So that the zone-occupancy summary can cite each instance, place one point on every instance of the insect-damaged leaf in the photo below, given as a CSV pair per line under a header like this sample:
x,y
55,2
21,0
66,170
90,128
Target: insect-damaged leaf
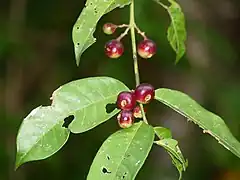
x,y
211,123
86,23
82,101
122,155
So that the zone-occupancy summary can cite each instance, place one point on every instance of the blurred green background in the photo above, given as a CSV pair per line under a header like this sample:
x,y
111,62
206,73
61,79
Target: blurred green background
x,y
36,57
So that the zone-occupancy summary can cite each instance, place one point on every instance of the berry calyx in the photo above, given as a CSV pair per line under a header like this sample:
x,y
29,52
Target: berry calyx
x,y
144,93
114,48
147,48
126,100
125,119
109,28
137,113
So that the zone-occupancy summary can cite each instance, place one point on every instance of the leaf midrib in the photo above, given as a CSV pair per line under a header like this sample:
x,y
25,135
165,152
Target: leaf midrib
x,y
71,112
127,150
91,33
26,153
174,28
201,125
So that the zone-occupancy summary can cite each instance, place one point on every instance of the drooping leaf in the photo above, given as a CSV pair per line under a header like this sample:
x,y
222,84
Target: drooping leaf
x,y
85,25
177,164
41,133
122,155
176,32
162,132
171,145
211,123
172,148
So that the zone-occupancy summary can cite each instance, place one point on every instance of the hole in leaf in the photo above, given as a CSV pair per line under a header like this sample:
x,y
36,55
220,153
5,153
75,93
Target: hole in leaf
x,y
78,27
110,107
125,174
68,121
78,44
105,171
108,157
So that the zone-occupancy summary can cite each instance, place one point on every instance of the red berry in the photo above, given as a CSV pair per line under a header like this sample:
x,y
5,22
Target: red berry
x,y
137,113
126,100
109,28
144,93
125,119
147,48
114,48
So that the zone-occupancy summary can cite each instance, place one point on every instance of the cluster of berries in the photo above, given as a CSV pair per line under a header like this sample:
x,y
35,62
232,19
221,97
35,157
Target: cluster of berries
x,y
114,48
127,102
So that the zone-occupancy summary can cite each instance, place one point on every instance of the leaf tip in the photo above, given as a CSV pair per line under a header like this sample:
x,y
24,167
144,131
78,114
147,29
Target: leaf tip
x,y
18,163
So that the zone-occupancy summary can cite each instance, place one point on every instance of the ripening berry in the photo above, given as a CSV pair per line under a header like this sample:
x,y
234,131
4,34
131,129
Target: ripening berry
x,y
109,28
125,119
114,48
144,93
137,113
147,48
126,100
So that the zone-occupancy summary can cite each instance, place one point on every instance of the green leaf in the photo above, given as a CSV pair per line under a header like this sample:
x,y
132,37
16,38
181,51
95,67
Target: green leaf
x,y
122,155
85,25
41,133
87,100
172,148
162,133
211,123
175,153
177,164
176,32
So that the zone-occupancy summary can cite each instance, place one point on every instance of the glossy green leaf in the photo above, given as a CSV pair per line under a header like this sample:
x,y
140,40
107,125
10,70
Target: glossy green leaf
x,y
41,133
211,123
162,133
85,25
176,32
122,155
87,100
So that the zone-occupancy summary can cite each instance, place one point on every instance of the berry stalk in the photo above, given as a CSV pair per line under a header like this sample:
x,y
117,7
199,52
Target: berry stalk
x,y
134,52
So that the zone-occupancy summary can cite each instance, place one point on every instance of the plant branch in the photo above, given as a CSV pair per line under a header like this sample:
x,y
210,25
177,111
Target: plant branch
x,y
140,32
134,52
123,34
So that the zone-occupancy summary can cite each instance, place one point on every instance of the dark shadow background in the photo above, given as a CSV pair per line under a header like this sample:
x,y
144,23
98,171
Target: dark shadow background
x,y
36,57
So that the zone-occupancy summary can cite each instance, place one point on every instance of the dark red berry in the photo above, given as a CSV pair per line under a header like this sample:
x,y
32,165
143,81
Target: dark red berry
x,y
109,28
125,119
147,48
137,113
144,93
126,100
114,48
